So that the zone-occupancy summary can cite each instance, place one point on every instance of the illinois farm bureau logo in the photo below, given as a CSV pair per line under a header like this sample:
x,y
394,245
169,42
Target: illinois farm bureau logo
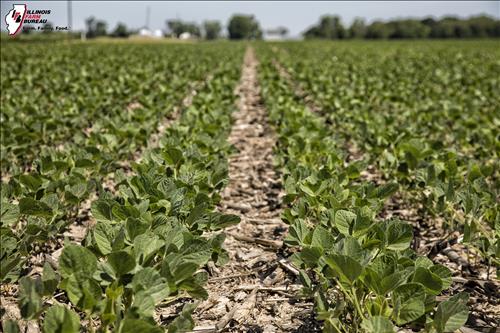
x,y
15,18
19,15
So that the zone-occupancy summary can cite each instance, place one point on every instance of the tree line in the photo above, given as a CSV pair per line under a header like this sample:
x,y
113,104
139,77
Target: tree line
x,y
239,27
331,27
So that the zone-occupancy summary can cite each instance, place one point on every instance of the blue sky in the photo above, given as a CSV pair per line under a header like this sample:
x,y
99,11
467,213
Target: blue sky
x,y
296,16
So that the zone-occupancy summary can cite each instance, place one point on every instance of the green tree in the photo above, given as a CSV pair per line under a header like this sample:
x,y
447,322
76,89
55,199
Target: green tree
x,y
332,28
482,26
451,27
495,31
212,29
408,29
95,28
193,29
462,30
244,27
378,30
357,28
120,31
177,27
329,27
101,28
312,32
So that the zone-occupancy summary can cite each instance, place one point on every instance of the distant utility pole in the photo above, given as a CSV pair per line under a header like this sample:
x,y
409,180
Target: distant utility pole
x,y
70,16
148,12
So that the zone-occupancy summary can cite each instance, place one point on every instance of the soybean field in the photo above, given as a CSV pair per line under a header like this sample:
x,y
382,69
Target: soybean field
x,y
346,186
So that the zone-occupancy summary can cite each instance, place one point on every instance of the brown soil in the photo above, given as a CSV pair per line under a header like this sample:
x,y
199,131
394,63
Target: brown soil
x,y
253,292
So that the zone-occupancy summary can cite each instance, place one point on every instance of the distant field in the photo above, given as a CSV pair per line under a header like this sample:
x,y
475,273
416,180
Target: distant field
x,y
346,186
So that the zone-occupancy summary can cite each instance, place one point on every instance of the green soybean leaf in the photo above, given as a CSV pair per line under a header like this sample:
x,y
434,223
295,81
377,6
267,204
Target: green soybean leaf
x,y
184,271
225,220
29,206
84,163
196,213
9,213
84,293
306,188
310,255
345,267
423,262
398,235
77,260
372,279
103,235
344,220
32,182
297,234
431,282
391,281
409,303
451,314
377,324
387,190
143,305
149,280
129,325
78,190
172,155
136,227
145,279
50,280
444,273
121,262
322,238
102,210
184,322
194,289
146,245
30,298
60,319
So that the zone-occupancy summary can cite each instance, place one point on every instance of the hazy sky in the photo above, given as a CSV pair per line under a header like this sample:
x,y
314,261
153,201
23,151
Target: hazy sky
x,y
296,16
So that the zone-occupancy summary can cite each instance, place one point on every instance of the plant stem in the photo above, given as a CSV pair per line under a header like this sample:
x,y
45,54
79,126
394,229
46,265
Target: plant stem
x,y
335,325
354,300
356,303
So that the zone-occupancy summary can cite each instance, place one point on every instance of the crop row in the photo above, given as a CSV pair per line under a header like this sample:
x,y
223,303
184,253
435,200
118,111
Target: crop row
x,y
359,268
151,235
